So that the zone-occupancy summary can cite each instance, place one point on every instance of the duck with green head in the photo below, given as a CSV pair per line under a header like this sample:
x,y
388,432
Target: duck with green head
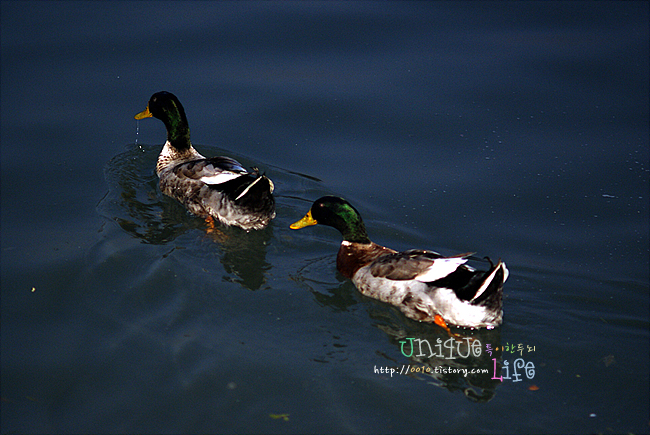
x,y
216,187
424,285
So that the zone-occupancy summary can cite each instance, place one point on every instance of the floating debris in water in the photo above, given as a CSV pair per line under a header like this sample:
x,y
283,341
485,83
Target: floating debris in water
x,y
608,360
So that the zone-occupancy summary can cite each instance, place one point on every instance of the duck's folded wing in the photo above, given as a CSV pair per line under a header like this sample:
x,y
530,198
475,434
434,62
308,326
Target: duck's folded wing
x,y
213,171
415,264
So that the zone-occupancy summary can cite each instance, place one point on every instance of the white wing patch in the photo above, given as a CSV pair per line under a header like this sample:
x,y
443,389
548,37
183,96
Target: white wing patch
x,y
487,281
248,188
440,268
220,178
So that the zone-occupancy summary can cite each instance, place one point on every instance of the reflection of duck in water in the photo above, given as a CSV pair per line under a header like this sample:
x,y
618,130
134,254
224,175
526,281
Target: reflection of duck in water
x,y
217,187
424,285
469,362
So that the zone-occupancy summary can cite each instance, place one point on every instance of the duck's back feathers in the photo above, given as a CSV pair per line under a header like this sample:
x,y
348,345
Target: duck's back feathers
x,y
212,171
417,264
465,297
221,188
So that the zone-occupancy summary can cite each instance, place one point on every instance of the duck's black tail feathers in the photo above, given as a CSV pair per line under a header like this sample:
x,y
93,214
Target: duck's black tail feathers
x,y
483,288
490,293
253,192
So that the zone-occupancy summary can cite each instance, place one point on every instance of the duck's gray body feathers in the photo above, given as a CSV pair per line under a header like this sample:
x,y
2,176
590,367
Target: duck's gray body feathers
x,y
219,187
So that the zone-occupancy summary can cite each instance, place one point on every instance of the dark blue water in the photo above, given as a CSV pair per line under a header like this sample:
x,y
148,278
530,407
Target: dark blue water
x,y
516,130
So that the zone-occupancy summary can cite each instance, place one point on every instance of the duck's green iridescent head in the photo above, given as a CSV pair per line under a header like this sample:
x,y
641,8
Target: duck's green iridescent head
x,y
166,107
338,213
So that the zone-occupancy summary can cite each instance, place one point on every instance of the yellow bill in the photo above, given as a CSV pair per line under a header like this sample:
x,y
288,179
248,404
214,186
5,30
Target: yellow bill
x,y
304,222
144,114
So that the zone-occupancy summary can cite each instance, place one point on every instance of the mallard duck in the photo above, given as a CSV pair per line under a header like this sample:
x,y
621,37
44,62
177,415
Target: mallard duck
x,y
424,285
216,187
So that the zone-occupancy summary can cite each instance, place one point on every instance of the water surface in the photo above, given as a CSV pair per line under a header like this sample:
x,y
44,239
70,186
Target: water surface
x,y
516,130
